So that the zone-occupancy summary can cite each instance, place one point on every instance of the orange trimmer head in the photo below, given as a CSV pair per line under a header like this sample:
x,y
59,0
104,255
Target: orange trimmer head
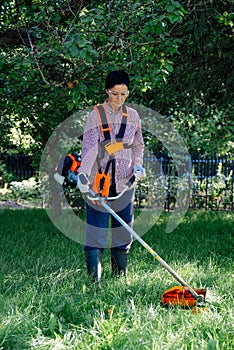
x,y
181,296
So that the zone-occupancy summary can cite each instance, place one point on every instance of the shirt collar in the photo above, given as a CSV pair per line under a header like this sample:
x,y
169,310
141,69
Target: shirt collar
x,y
109,109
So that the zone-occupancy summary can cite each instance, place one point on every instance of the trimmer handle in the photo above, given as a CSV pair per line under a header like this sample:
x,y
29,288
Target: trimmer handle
x,y
96,197
83,179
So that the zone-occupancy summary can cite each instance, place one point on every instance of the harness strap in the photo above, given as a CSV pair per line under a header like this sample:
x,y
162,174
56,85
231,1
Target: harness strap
x,y
105,126
108,146
112,187
104,123
123,125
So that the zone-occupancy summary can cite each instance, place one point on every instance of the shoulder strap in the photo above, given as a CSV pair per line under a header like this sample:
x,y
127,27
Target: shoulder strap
x,y
121,132
105,126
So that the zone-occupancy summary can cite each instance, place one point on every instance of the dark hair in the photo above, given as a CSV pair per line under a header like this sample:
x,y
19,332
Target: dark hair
x,y
117,77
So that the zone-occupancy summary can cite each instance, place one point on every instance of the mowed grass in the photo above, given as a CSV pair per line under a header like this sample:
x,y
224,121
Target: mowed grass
x,y
48,302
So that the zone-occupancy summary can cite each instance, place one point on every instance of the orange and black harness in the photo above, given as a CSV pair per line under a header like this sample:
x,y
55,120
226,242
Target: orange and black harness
x,y
102,182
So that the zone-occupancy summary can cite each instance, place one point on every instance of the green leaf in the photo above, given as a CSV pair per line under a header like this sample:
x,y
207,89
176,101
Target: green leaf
x,y
74,50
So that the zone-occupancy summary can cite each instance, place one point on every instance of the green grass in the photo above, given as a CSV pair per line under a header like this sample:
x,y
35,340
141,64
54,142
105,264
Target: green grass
x,y
48,302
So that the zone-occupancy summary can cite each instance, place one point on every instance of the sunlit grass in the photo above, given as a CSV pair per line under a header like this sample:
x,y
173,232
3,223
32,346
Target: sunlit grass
x,y
48,302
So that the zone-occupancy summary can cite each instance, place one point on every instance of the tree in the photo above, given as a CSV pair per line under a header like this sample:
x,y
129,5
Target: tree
x,y
53,55
202,80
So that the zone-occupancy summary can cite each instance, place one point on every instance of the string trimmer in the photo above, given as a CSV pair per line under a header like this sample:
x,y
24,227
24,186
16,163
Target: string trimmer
x,y
183,295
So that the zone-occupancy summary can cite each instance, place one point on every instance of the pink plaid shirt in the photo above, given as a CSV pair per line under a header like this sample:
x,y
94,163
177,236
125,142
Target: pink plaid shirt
x,y
125,159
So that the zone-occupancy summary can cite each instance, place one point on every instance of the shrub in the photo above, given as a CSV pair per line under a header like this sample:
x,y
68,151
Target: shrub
x,y
214,191
26,189
5,176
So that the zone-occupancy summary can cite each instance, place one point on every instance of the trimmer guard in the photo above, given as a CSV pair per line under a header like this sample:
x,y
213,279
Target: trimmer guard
x,y
181,296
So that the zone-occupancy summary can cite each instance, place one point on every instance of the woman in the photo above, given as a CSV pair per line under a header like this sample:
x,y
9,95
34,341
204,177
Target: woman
x,y
112,151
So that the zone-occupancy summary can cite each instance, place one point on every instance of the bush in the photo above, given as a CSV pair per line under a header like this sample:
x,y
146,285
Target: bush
x,y
151,191
26,189
74,197
5,176
214,191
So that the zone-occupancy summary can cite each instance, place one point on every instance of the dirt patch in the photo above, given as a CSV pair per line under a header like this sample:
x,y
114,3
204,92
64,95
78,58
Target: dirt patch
x,y
13,204
10,204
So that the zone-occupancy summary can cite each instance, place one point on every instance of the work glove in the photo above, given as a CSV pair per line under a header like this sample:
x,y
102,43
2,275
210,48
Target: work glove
x,y
84,184
139,172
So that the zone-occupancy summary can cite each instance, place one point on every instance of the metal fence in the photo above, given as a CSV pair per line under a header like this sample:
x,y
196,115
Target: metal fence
x,y
20,166
211,178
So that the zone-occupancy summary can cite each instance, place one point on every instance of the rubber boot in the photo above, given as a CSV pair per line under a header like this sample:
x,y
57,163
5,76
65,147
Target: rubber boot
x,y
93,263
119,262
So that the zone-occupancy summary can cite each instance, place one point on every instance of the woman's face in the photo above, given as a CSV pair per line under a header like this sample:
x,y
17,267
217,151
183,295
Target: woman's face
x,y
117,96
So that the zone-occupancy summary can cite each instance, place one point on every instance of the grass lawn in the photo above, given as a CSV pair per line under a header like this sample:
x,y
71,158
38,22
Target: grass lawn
x,y
47,301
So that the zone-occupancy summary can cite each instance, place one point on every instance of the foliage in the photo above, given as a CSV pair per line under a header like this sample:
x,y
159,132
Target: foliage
x,y
74,197
26,189
5,176
59,57
48,302
54,57
209,129
198,96
214,192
